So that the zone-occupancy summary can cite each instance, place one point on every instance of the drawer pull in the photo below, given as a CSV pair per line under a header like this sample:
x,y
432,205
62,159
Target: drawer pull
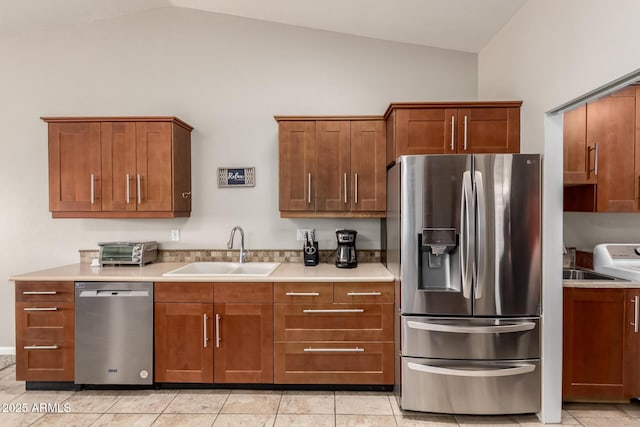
x,y
40,347
363,294
39,292
303,294
330,350
40,309
340,310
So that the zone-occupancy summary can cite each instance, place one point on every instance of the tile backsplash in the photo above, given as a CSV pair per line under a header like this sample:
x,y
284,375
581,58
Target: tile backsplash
x,y
260,255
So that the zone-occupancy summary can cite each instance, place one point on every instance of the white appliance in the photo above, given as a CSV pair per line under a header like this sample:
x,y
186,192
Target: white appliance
x,y
618,259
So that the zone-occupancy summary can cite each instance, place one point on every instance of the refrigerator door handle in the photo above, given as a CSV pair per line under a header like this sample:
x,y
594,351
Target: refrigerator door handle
x,y
519,369
494,329
481,243
466,242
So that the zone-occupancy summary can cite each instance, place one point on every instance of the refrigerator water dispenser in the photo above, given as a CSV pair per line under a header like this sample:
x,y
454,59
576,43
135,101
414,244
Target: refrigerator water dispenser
x,y
435,246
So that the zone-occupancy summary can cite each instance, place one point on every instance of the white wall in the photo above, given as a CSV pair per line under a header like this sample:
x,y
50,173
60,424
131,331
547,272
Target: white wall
x,y
225,76
550,53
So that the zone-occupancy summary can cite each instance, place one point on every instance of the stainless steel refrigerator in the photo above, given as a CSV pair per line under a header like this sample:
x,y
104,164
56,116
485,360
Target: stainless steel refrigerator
x,y
463,238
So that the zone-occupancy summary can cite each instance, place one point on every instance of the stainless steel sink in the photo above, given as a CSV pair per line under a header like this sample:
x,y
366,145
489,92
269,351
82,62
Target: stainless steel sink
x,y
224,269
583,274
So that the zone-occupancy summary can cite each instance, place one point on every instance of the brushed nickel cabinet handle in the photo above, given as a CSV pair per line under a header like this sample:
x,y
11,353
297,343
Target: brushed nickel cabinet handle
x,y
303,294
356,185
127,187
217,330
186,194
345,188
40,347
595,162
635,314
339,310
309,189
139,192
362,294
40,309
330,350
453,131
465,133
206,338
93,189
39,292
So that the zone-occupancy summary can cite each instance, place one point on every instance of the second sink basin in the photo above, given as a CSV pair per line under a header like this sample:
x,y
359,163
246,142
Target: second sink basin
x,y
579,274
224,269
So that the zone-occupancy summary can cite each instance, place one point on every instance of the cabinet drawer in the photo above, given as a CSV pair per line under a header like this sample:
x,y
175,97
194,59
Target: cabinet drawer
x,y
333,322
243,292
303,292
44,360
355,292
45,321
183,292
327,362
44,291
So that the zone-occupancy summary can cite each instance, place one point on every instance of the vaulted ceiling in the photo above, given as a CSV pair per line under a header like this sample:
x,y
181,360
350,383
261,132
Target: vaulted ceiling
x,y
465,25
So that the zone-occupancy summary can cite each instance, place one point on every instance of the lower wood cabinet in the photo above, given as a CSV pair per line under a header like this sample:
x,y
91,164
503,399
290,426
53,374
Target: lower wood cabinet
x,y
243,331
45,331
334,362
333,333
601,344
183,351
197,341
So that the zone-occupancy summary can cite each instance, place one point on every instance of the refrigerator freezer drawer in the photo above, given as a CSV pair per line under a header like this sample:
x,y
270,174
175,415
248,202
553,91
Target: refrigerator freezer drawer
x,y
470,387
479,338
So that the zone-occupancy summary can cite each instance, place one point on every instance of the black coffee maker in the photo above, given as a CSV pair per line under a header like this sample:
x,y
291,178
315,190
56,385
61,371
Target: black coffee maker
x,y
346,252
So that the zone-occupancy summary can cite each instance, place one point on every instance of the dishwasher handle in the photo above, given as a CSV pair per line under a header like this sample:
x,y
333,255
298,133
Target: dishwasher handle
x,y
103,293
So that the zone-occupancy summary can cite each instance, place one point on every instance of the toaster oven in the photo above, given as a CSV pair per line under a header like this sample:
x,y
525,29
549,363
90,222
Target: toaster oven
x,y
127,253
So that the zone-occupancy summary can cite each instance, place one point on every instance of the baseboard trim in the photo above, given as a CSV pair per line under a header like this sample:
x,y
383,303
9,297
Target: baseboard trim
x,y
10,351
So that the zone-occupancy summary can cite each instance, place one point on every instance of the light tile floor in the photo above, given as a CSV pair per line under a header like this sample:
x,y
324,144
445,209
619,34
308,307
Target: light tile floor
x,y
234,408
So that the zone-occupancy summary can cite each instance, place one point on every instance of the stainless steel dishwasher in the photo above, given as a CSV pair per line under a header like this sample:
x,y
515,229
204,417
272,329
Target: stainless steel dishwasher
x,y
114,333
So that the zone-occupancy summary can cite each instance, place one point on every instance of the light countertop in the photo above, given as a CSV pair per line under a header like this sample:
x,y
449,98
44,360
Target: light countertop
x,y
286,272
602,284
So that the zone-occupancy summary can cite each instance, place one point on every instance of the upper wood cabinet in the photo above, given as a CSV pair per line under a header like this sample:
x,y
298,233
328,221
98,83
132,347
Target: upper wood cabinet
x,y
119,167
450,128
601,172
332,166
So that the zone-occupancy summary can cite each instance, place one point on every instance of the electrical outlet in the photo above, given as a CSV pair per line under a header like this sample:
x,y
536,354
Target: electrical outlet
x,y
175,234
301,231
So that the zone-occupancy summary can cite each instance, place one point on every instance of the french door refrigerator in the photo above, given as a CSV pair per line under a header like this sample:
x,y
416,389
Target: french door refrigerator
x,y
464,243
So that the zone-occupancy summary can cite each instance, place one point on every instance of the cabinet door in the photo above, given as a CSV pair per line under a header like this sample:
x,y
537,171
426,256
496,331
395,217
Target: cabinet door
x,y
118,166
632,344
153,165
74,167
368,169
593,337
488,130
425,131
611,125
297,165
44,341
333,165
183,342
243,343
579,157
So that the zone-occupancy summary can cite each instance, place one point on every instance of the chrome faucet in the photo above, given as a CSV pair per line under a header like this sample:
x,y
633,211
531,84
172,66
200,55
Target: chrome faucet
x,y
243,252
